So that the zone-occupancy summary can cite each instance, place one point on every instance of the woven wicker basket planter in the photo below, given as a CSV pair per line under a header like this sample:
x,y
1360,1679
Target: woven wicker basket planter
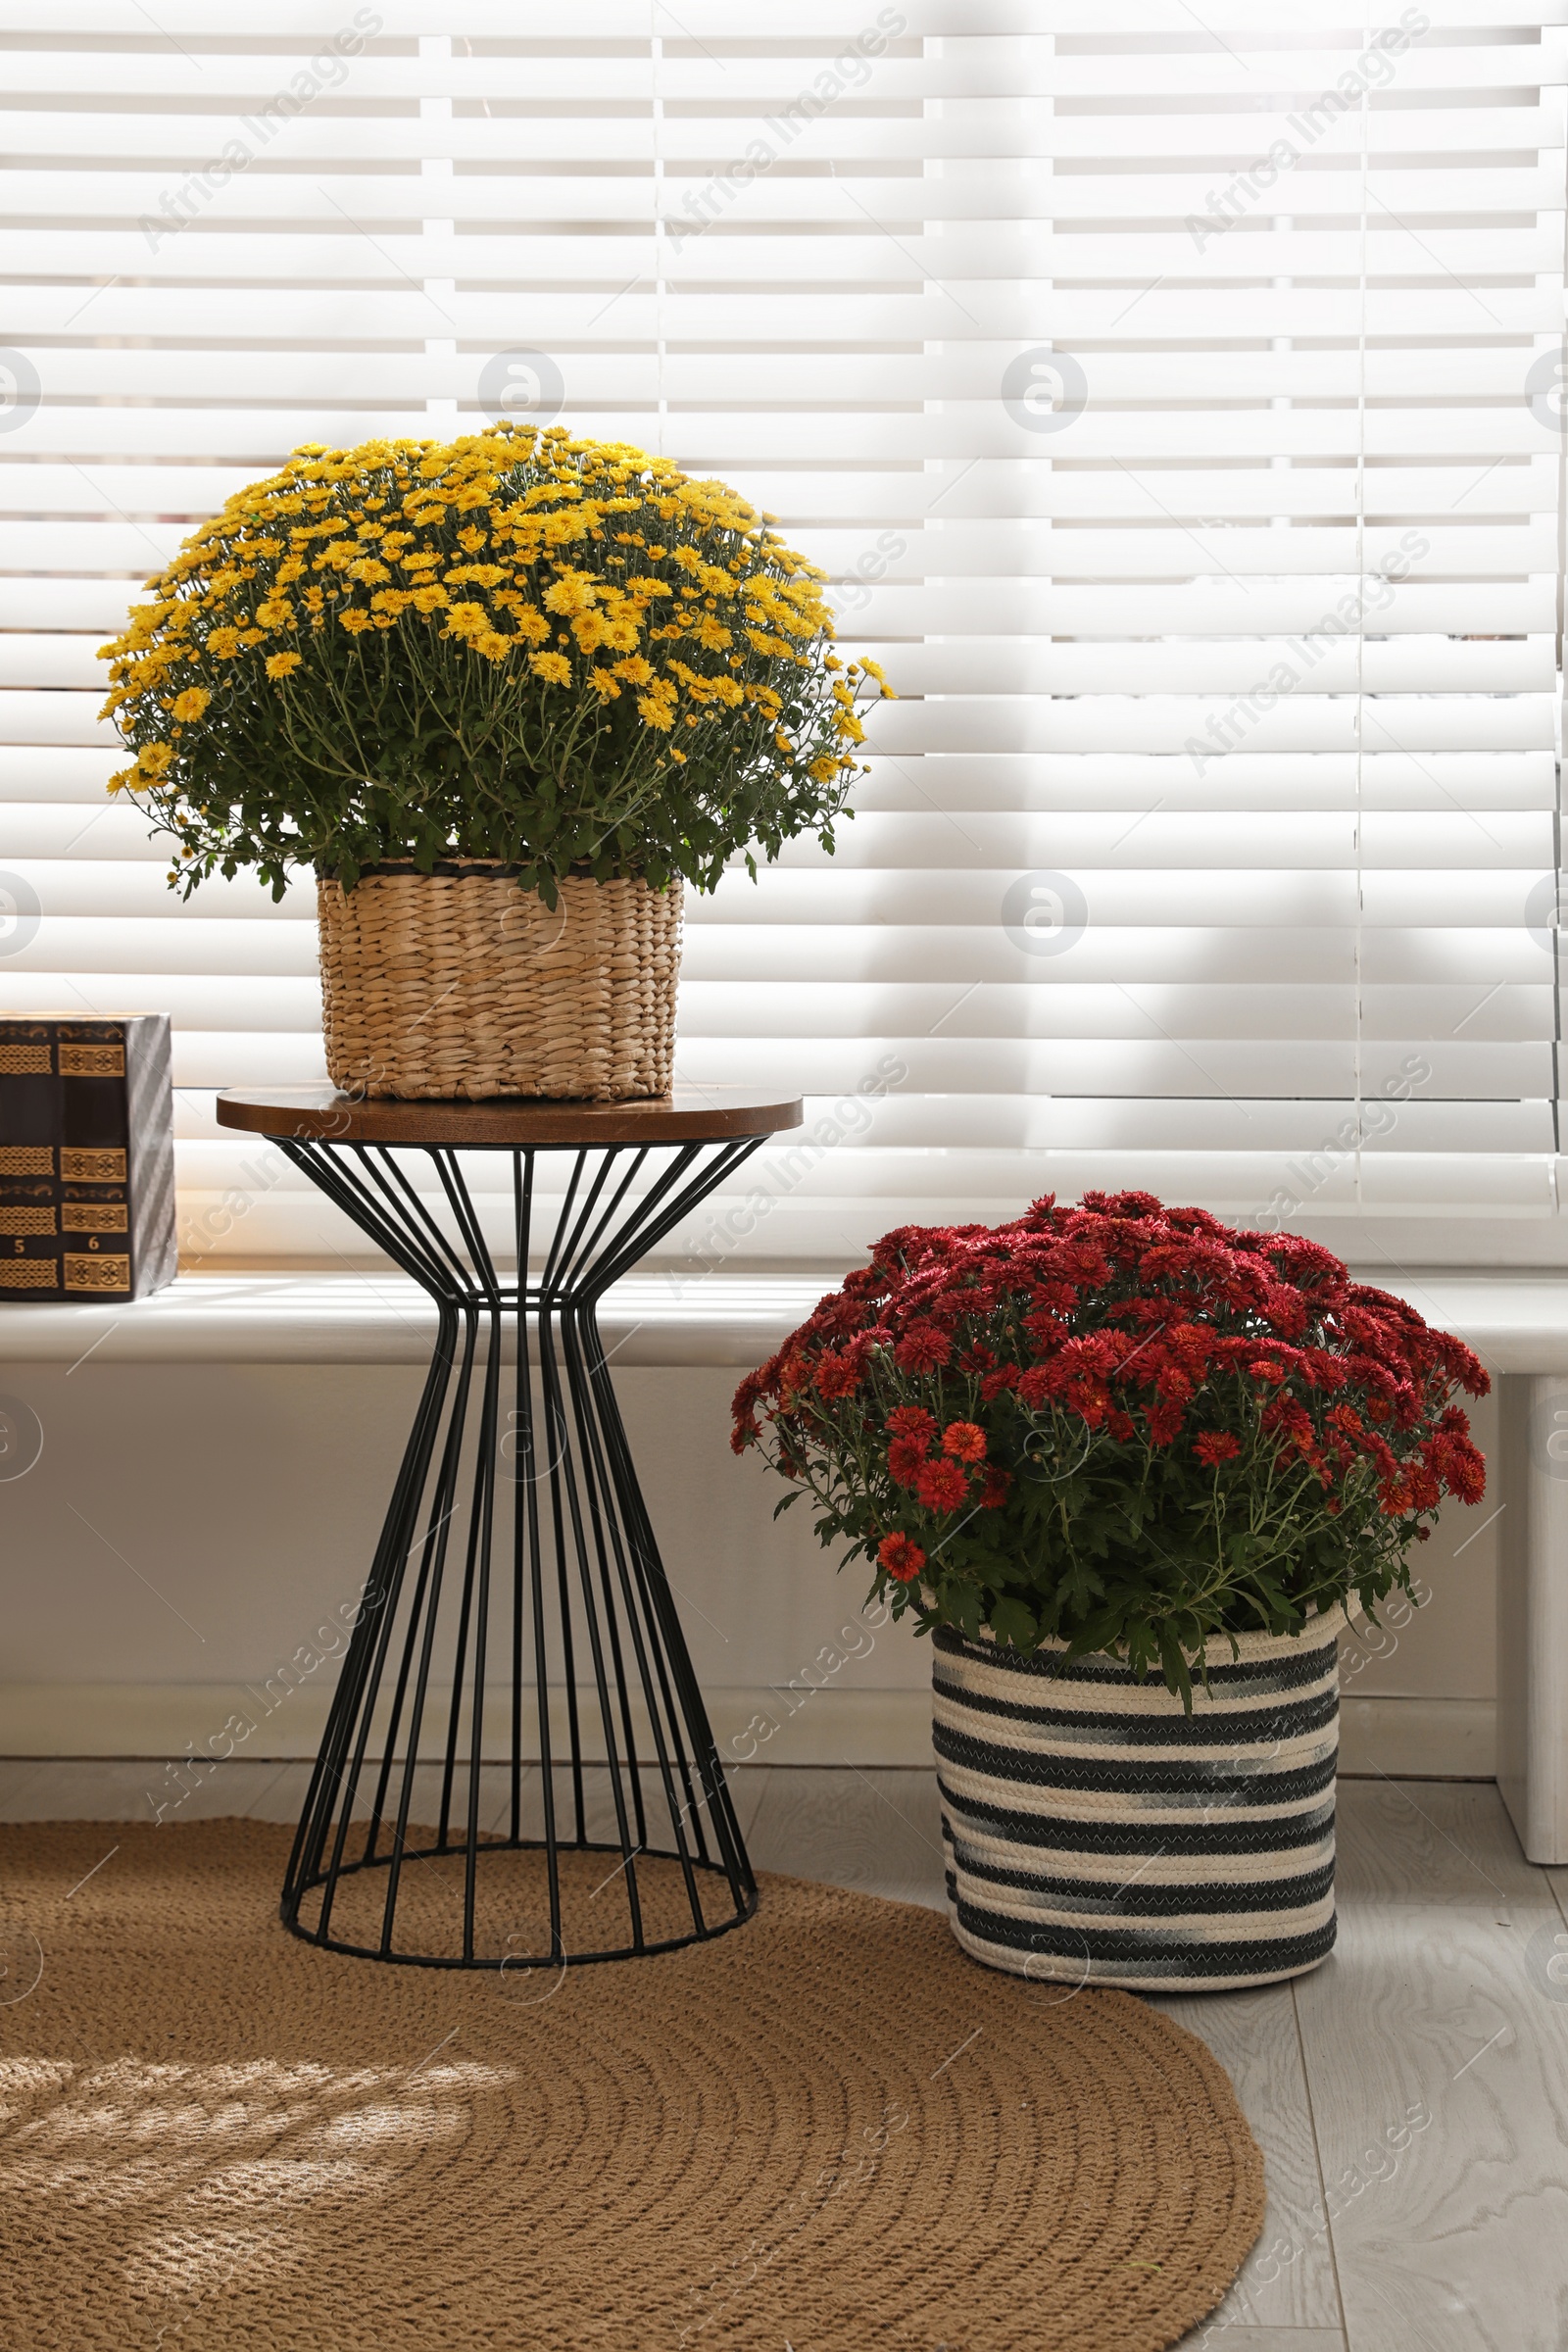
x,y
1096,1834
457,983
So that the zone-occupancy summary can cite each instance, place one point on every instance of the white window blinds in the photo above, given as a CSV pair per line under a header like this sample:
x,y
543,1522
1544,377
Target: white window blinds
x,y
1177,400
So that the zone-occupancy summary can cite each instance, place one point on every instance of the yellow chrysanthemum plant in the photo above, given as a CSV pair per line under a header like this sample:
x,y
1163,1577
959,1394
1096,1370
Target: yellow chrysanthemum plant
x,y
560,654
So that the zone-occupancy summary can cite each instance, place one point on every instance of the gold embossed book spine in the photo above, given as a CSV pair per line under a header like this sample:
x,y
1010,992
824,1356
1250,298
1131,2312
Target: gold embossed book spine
x,y
87,1157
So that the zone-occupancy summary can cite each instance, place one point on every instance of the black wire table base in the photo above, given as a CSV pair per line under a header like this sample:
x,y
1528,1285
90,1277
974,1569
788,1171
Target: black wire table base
x,y
570,1806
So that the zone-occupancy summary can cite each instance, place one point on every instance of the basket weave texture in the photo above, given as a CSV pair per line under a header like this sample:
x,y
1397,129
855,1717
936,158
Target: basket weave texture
x,y
458,984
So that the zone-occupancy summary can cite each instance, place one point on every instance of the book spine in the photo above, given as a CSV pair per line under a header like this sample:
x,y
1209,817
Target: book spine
x,y
94,1160
30,1169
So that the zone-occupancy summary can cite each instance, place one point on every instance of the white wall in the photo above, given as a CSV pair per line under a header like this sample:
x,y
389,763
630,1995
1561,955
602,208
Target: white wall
x,y
187,1527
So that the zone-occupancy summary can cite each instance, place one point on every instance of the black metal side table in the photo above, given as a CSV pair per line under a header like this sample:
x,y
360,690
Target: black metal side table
x,y
516,1537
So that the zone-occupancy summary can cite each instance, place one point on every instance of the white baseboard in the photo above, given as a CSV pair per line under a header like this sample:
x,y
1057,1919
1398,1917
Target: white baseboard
x,y
1419,1738
1441,1738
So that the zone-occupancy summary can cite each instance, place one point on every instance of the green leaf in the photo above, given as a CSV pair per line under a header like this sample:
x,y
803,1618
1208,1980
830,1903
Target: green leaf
x,y
1013,1624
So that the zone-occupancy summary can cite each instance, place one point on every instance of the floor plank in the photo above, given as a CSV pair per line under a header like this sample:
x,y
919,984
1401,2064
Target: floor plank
x,y
1288,2279
877,1830
89,1788
1439,2082
1218,2334
15,1772
1444,1841
109,1789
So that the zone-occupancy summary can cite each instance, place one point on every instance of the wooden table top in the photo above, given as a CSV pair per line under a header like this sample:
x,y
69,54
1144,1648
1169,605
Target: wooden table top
x,y
688,1115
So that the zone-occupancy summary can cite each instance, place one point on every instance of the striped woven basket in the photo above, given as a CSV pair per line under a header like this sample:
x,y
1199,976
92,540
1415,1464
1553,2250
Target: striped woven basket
x,y
1095,1834
457,983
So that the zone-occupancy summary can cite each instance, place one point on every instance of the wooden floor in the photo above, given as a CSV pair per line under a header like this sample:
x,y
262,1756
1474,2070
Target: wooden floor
x,y
1410,2096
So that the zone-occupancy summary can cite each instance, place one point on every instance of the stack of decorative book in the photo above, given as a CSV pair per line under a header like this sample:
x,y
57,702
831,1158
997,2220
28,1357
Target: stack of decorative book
x,y
86,1156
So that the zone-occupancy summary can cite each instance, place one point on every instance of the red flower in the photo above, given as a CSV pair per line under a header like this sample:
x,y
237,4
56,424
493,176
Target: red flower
x,y
837,1376
901,1557
1215,1446
904,1459
994,1490
914,1422
966,1440
923,1348
1165,1424
942,1485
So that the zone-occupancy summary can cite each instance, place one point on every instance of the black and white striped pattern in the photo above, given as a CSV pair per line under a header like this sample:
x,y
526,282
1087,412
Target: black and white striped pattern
x,y
1096,1834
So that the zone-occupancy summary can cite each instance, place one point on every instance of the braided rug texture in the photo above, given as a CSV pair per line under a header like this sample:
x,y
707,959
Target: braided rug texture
x,y
829,2129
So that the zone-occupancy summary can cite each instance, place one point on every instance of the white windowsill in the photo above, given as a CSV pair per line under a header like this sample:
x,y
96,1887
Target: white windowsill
x,y
386,1320
1516,1323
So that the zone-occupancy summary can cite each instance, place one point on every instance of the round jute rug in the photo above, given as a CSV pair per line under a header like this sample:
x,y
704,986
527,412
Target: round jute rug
x,y
825,2131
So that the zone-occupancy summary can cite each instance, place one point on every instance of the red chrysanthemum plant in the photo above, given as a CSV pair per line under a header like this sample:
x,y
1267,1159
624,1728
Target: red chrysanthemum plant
x,y
1119,1425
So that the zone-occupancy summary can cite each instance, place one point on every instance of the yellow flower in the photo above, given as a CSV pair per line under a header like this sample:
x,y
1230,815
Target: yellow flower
x,y
279,666
493,645
554,668
658,715
636,671
468,620
192,702
594,629
355,621
224,643
574,592
528,622
154,758
428,599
